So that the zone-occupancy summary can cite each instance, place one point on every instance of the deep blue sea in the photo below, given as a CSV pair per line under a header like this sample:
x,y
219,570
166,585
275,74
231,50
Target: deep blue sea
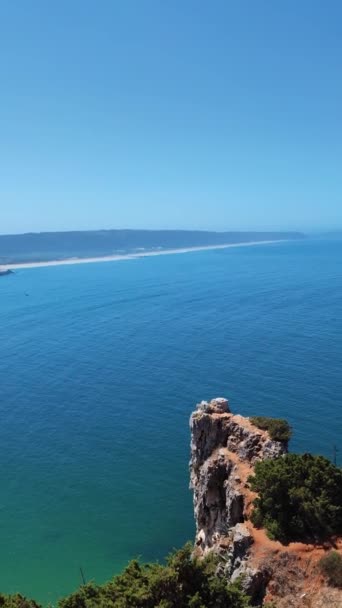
x,y
101,365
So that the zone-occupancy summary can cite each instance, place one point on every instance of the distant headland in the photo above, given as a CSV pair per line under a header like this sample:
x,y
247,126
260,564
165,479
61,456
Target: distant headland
x,y
52,248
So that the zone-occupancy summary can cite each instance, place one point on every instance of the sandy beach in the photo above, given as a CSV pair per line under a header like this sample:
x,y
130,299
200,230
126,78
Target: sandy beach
x,y
132,256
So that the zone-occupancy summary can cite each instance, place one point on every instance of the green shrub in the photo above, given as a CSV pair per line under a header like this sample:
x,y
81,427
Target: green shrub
x,y
331,567
278,428
299,497
16,601
182,583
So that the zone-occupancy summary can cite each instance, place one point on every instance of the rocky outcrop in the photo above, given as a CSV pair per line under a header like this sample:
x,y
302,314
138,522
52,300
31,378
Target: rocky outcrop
x,y
224,448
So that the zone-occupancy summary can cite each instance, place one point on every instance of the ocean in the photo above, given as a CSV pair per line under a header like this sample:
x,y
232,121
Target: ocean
x,y
101,366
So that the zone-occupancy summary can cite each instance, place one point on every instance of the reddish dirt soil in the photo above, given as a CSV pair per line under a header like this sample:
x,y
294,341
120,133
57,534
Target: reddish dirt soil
x,y
296,581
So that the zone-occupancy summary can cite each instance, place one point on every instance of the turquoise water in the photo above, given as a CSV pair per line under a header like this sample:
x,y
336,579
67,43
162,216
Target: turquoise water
x,y
101,365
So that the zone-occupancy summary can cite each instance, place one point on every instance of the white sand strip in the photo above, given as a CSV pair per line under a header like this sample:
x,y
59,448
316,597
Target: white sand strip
x,y
133,256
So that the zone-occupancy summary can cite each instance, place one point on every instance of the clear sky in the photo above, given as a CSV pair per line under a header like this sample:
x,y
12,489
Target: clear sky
x,y
170,114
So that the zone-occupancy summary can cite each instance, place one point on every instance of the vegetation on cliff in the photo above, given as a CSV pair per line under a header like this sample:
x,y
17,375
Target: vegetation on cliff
x,y
331,567
16,601
278,429
182,582
299,497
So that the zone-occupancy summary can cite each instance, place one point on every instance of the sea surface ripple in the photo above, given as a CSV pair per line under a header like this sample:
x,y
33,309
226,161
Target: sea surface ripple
x,y
101,365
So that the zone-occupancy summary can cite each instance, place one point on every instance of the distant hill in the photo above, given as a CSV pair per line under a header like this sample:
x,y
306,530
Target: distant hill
x,y
43,246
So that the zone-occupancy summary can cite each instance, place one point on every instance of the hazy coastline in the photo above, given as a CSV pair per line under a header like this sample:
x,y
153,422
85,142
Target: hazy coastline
x,y
132,256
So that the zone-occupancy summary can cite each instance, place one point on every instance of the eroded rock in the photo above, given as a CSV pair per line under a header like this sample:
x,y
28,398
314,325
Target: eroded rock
x,y
224,449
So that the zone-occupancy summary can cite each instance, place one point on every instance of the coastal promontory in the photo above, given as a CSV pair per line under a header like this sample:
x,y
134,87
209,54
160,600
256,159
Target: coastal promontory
x,y
226,451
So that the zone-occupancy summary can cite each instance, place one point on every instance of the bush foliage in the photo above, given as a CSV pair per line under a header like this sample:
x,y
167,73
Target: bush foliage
x,y
16,601
299,497
278,428
331,567
182,583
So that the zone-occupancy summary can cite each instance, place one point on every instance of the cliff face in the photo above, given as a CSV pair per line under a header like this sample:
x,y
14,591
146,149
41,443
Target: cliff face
x,y
224,448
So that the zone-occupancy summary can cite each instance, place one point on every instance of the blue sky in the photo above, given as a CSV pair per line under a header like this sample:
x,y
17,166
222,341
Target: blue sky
x,y
181,114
